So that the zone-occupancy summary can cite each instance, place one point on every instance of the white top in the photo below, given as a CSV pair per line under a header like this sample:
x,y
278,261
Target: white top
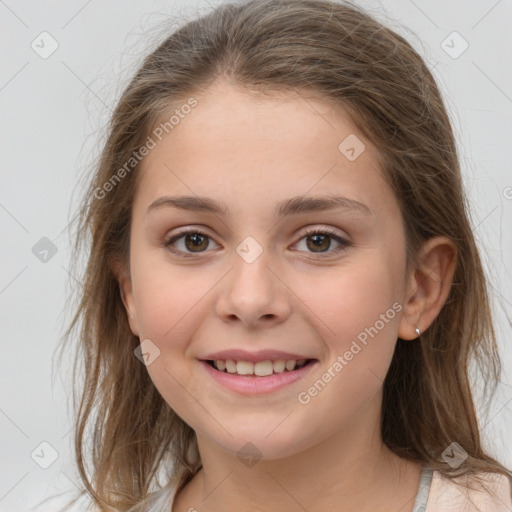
x,y
445,495
435,494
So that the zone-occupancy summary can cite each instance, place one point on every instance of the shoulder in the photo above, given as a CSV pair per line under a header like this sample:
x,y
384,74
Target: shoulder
x,y
489,493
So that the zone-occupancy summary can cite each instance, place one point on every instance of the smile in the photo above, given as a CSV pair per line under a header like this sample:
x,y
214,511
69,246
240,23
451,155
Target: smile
x,y
260,368
248,378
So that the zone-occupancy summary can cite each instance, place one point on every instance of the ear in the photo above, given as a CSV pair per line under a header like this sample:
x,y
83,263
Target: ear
x,y
428,286
122,273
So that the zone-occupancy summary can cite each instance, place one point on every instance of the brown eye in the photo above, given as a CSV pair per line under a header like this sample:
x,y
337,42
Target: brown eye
x,y
190,242
320,241
196,242
193,242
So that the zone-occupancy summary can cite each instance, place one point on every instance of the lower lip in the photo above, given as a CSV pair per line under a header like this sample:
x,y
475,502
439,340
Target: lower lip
x,y
250,385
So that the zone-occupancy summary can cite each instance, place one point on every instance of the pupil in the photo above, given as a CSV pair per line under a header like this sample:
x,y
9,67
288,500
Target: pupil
x,y
317,243
196,237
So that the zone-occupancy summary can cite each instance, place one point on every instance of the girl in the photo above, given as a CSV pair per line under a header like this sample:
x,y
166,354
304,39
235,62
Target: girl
x,y
283,295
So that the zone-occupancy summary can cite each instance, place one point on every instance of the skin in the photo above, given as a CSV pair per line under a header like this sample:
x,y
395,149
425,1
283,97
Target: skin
x,y
250,153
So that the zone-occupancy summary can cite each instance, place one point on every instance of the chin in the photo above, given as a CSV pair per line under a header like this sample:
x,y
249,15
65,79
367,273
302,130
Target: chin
x,y
256,443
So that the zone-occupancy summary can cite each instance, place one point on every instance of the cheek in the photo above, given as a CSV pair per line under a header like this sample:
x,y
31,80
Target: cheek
x,y
170,306
167,295
353,298
358,317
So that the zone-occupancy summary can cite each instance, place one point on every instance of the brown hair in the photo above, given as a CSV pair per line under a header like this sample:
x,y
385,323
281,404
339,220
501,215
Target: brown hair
x,y
341,53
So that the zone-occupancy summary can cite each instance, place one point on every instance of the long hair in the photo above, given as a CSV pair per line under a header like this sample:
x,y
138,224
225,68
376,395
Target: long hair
x,y
340,52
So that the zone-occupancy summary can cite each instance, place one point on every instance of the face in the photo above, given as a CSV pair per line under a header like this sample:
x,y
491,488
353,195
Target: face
x,y
324,285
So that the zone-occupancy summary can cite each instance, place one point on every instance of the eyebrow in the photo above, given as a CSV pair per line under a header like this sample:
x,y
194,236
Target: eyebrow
x,y
292,206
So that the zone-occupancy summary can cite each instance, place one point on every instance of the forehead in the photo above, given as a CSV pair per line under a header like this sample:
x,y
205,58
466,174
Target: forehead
x,y
255,147
284,120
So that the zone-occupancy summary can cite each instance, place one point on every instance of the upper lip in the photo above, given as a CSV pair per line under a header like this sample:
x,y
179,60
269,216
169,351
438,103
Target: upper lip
x,y
261,355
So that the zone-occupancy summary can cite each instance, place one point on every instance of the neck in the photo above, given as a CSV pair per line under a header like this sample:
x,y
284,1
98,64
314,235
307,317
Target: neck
x,y
351,470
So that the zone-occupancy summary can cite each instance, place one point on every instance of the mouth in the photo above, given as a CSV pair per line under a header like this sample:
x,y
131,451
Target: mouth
x,y
259,369
258,378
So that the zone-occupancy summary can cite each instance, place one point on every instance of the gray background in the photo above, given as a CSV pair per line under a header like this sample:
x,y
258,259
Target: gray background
x,y
53,110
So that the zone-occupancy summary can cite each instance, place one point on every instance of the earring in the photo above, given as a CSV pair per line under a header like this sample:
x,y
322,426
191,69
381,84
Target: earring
x,y
418,332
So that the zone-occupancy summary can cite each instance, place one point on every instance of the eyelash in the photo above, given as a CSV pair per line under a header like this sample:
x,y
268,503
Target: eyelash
x,y
310,232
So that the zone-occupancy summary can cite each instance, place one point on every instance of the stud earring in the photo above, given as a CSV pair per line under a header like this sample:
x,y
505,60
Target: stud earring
x,y
418,332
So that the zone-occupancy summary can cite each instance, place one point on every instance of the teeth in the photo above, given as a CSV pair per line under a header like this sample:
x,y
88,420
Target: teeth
x,y
279,366
261,368
230,366
290,365
244,368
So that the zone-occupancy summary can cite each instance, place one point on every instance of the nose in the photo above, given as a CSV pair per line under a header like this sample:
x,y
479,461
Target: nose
x,y
254,293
